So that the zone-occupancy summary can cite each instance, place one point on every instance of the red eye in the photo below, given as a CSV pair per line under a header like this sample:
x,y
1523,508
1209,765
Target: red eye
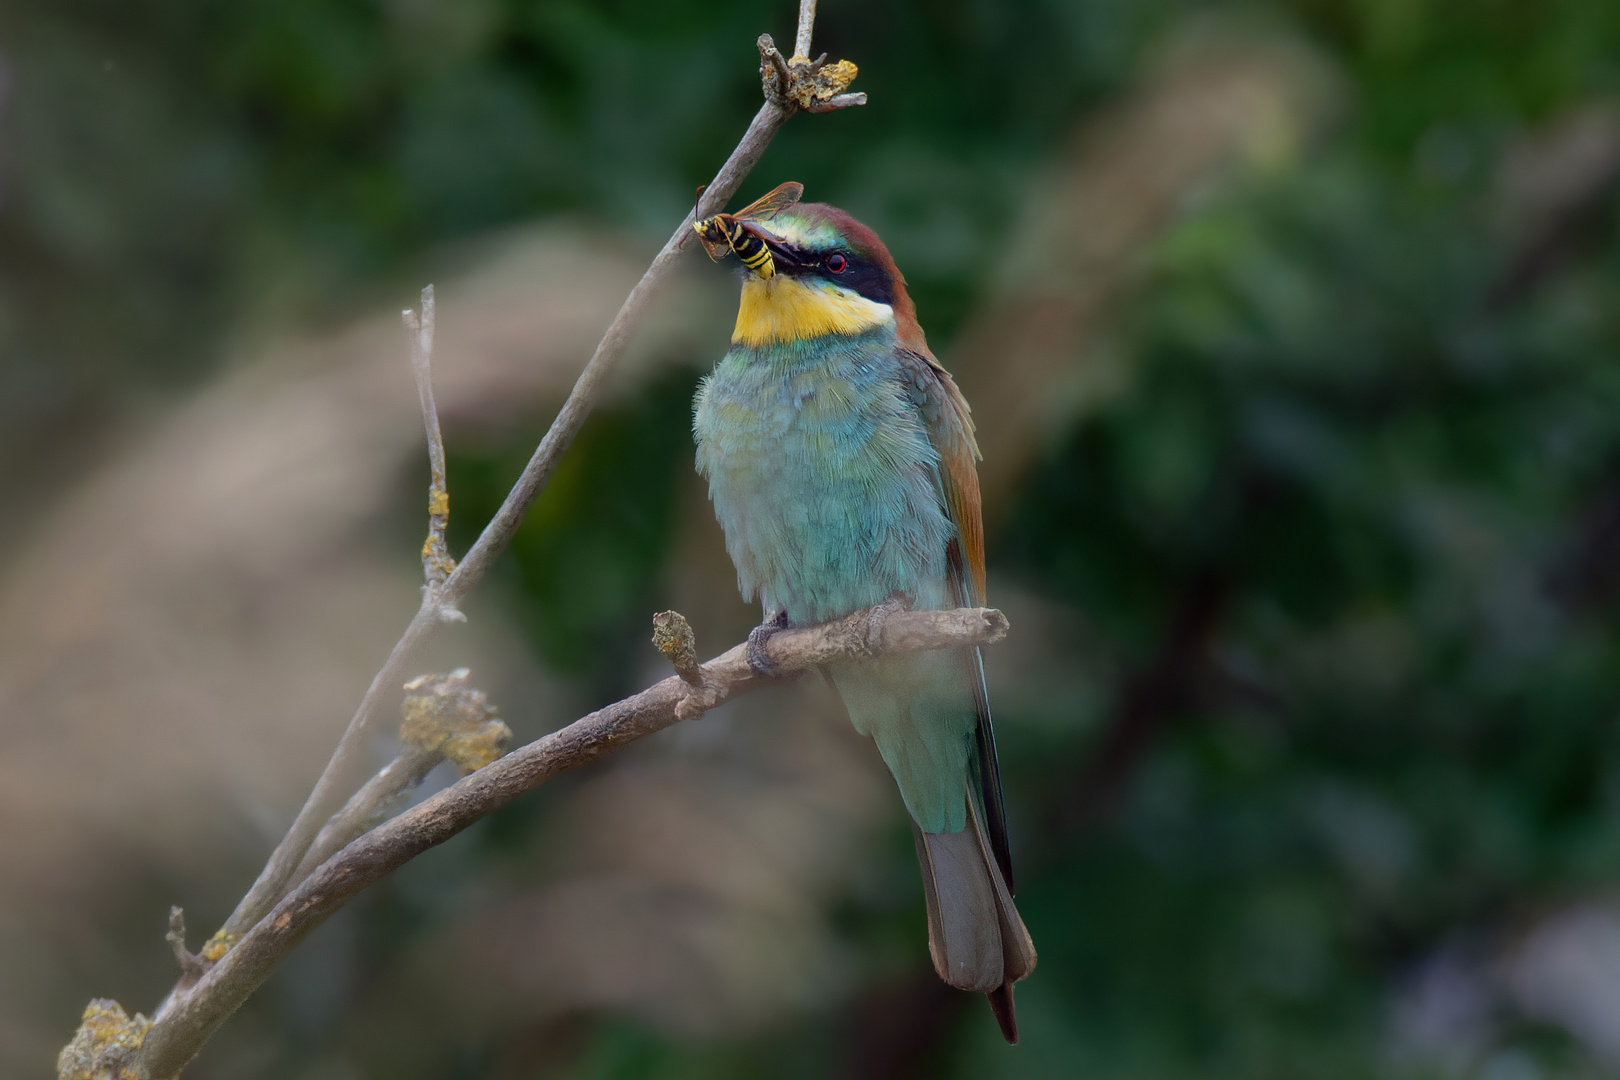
x,y
836,263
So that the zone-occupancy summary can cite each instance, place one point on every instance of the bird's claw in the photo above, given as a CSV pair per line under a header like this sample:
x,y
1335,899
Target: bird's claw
x,y
757,637
879,614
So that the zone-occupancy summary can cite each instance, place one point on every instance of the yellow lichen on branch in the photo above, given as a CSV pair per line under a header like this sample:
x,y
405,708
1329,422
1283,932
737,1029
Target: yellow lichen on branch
x,y
812,85
439,562
822,84
218,945
448,715
105,1037
672,636
470,751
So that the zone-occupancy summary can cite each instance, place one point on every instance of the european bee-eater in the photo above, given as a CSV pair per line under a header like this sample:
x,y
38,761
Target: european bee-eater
x,y
841,460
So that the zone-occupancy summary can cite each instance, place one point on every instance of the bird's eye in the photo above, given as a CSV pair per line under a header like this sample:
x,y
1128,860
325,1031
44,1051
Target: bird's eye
x,y
836,263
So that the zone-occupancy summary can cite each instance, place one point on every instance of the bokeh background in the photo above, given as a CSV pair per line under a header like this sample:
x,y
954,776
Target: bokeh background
x,y
1291,329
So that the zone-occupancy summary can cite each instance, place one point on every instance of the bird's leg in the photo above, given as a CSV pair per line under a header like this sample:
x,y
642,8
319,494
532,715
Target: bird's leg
x,y
757,637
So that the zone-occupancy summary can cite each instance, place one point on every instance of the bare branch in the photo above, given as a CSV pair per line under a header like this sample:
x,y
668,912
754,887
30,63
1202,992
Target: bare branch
x,y
342,772
437,564
807,23
189,1020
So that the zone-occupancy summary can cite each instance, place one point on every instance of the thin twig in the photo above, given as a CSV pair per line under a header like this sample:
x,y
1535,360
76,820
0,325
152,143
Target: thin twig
x,y
277,874
807,20
191,965
774,71
342,772
369,805
836,102
181,1030
437,564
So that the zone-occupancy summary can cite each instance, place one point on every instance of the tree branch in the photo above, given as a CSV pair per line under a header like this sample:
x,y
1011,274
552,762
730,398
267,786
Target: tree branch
x,y
799,86
250,943
189,1020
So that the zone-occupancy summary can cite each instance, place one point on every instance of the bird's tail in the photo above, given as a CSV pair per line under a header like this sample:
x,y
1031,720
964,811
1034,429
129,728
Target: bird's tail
x,y
975,936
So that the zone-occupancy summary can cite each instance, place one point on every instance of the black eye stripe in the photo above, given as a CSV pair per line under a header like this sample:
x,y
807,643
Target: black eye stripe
x,y
864,278
858,275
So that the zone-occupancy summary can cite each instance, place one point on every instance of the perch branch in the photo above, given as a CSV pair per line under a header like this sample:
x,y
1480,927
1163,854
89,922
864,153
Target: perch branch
x,y
342,772
190,1019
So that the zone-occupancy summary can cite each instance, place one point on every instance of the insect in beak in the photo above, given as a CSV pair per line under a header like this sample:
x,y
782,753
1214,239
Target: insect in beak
x,y
731,232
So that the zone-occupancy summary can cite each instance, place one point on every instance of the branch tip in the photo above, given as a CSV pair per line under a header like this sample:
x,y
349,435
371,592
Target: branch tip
x,y
673,636
191,965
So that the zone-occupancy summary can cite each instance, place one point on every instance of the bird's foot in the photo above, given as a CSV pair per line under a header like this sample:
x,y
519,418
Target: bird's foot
x,y
757,637
879,614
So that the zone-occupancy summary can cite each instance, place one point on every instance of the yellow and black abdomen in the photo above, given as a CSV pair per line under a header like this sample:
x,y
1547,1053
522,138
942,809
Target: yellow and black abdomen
x,y
727,230
752,251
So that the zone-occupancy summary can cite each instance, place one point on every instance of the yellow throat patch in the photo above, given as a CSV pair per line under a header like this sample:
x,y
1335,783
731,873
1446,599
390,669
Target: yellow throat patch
x,y
783,309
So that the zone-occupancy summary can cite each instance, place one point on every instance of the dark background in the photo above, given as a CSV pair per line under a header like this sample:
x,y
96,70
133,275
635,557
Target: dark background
x,y
1292,332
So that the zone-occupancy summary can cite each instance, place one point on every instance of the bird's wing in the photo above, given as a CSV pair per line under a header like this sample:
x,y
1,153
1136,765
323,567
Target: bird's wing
x,y
950,429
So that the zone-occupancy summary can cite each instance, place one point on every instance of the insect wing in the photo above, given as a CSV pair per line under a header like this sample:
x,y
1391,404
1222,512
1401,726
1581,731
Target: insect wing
x,y
772,202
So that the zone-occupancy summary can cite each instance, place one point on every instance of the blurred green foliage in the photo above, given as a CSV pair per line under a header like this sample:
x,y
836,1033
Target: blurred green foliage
x,y
1405,720
587,557
1344,531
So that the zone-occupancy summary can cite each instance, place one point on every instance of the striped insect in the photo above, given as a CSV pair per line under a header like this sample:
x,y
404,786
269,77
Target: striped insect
x,y
724,232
